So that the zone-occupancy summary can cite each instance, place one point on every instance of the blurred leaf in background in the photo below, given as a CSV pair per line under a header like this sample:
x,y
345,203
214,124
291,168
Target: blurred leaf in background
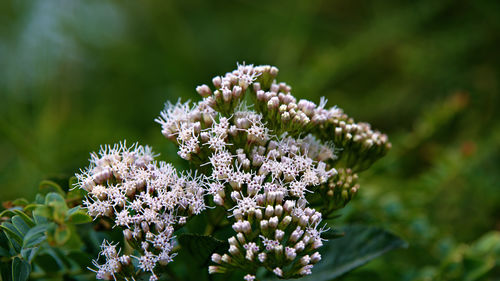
x,y
78,74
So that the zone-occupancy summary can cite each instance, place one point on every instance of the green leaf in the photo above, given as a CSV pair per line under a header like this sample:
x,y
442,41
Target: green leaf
x,y
35,236
25,217
4,245
57,202
31,207
47,186
76,194
29,254
20,202
20,224
39,199
12,232
47,262
20,270
62,234
78,215
201,247
42,211
7,213
6,270
360,245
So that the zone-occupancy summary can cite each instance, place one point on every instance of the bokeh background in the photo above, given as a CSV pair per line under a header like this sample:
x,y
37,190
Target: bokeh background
x,y
78,74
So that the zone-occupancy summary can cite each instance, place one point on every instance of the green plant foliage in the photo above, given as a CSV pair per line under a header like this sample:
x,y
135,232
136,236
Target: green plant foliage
x,y
41,239
359,245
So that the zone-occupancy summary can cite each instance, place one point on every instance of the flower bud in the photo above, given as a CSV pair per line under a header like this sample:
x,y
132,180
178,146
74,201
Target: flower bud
x,y
315,258
273,103
218,200
306,270
241,238
232,241
299,246
127,234
273,222
256,86
216,258
305,260
278,210
290,253
258,214
233,250
262,257
226,258
278,271
263,224
204,90
285,222
217,81
279,234
317,243
269,211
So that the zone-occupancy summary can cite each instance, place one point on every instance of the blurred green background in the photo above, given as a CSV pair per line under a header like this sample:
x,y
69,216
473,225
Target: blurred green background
x,y
78,74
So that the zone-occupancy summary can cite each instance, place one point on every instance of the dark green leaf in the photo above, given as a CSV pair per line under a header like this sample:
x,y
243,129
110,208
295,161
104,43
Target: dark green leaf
x,y
29,221
12,232
333,234
48,262
7,213
20,224
39,219
360,245
47,186
4,252
4,245
78,215
35,236
29,254
20,270
6,270
201,247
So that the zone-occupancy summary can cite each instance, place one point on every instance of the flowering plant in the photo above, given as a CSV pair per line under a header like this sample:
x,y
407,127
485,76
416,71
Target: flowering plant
x,y
267,172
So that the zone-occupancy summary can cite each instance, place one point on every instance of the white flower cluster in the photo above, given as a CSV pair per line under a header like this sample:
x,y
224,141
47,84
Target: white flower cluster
x,y
260,178
147,199
263,164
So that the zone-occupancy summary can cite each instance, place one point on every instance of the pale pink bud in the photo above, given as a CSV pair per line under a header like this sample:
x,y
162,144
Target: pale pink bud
x,y
315,258
216,258
204,90
217,81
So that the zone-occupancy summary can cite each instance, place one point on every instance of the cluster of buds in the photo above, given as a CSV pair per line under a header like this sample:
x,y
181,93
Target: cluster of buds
x,y
282,237
339,190
259,168
276,167
361,146
147,199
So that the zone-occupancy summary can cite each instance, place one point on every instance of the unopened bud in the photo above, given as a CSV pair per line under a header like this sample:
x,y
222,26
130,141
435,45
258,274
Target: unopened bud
x,y
204,90
216,258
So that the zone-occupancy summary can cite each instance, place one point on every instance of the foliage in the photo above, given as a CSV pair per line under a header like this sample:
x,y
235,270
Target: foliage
x,y
44,239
